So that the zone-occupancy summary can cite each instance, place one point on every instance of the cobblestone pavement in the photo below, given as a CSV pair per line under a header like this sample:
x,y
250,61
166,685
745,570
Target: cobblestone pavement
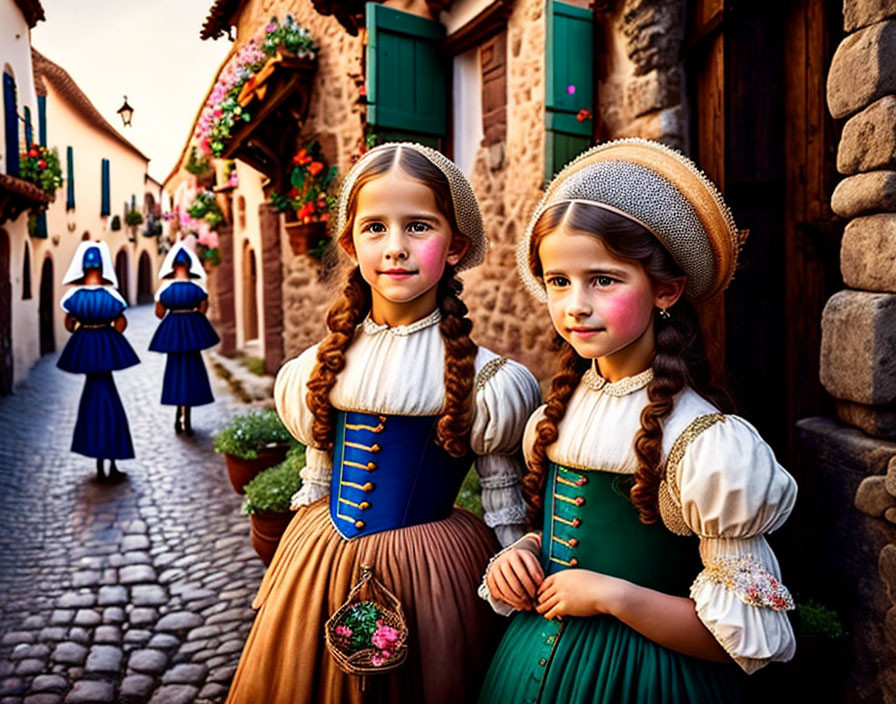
x,y
134,592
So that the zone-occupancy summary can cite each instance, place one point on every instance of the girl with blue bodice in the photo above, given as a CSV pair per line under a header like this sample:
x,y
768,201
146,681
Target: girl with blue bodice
x,y
94,315
181,302
394,405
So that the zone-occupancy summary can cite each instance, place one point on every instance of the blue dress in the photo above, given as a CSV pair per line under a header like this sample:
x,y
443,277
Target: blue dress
x,y
183,332
96,349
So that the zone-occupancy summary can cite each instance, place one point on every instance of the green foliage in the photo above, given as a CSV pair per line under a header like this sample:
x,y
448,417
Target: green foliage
x,y
817,621
211,255
470,494
40,166
289,35
362,620
244,435
272,489
115,225
205,207
311,180
134,217
256,365
197,164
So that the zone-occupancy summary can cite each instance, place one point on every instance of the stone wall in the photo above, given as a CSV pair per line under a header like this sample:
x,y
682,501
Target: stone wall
x,y
855,457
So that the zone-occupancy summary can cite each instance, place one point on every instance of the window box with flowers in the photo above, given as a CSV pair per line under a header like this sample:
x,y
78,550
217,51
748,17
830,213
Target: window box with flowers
x,y
40,166
202,219
308,203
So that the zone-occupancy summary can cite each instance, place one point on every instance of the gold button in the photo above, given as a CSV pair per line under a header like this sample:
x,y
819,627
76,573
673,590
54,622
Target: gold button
x,y
581,480
375,448
369,486
371,466
364,505
573,542
360,525
573,562
378,429
576,522
580,501
382,419
542,662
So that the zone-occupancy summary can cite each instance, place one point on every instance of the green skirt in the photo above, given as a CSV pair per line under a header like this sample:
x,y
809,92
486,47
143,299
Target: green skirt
x,y
599,660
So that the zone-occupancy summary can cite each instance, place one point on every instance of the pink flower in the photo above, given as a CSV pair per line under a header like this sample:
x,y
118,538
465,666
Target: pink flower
x,y
376,660
384,637
386,654
343,630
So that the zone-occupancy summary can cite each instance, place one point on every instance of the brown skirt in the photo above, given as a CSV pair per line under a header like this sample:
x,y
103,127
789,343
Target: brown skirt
x,y
434,570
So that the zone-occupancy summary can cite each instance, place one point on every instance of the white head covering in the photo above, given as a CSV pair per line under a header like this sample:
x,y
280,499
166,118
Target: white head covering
x,y
75,270
197,271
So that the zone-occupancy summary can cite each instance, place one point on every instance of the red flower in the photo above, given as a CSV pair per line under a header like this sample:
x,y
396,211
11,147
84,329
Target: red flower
x,y
301,158
42,164
32,152
305,211
583,115
293,192
315,168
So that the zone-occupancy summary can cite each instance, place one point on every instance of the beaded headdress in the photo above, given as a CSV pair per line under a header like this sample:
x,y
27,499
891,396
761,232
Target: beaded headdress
x,y
661,190
466,207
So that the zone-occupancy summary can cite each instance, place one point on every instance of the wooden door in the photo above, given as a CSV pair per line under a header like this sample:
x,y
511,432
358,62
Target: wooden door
x,y
144,278
121,271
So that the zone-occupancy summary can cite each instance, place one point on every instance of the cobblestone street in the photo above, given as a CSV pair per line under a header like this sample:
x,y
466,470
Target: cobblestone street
x,y
130,592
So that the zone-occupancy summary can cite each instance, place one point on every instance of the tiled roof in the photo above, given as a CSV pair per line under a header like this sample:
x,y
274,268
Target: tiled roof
x,y
45,71
32,10
218,21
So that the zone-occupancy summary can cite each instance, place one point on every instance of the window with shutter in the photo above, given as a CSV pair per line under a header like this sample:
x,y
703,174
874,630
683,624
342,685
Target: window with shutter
x,y
29,132
42,119
69,178
407,77
493,59
11,125
105,207
568,84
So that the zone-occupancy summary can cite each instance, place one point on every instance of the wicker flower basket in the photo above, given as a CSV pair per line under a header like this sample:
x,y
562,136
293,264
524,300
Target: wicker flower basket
x,y
367,597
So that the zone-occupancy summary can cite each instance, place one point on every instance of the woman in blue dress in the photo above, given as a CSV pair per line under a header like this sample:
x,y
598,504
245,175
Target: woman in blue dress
x,y
181,302
94,315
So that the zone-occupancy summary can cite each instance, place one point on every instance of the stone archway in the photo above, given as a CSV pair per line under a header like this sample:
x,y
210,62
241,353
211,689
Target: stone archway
x,y
250,297
6,359
144,279
45,308
121,271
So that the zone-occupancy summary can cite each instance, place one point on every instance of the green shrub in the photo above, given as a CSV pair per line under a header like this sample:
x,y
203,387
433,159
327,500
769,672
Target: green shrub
x,y
245,435
470,494
256,366
817,621
272,489
133,218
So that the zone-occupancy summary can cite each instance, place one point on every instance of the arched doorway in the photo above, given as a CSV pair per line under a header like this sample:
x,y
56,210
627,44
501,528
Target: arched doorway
x,y
6,362
144,279
121,271
250,299
45,308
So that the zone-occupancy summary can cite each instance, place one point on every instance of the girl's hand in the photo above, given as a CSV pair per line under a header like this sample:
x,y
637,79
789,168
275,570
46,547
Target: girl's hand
x,y
579,593
514,578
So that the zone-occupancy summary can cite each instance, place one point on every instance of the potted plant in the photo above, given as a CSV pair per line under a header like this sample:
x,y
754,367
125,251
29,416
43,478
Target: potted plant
x,y
267,502
40,166
251,443
308,203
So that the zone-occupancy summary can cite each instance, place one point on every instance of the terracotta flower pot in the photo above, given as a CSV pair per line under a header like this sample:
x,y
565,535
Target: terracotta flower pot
x,y
242,471
304,236
267,528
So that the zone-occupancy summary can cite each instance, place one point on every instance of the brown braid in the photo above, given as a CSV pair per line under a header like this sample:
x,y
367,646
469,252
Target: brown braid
x,y
563,383
344,316
453,428
679,358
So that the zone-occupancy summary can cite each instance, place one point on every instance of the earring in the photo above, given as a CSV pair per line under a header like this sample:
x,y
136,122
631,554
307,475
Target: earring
x,y
665,314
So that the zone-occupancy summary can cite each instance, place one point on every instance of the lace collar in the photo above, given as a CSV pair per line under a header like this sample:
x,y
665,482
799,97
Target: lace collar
x,y
594,381
372,328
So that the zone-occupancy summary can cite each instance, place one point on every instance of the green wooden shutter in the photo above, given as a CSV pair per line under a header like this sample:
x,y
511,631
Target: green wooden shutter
x,y
42,119
568,83
29,130
105,208
407,79
69,178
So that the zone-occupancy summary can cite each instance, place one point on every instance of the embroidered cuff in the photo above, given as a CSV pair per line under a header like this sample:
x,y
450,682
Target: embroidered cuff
x,y
748,580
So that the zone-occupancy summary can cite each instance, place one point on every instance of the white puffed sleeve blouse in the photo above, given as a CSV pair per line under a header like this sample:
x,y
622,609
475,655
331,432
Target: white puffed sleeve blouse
x,y
400,370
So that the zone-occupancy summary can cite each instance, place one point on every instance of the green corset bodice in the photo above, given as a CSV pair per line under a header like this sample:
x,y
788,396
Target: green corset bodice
x,y
591,524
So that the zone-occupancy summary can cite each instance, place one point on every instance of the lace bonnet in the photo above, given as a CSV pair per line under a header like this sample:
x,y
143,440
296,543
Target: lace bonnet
x,y
660,189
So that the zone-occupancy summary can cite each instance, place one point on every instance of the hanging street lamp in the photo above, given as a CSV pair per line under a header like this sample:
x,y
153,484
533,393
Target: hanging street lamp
x,y
126,112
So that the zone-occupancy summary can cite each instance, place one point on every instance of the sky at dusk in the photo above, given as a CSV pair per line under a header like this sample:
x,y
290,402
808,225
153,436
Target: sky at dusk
x,y
149,51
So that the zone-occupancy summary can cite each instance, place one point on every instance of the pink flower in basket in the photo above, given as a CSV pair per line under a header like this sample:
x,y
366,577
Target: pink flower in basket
x,y
376,660
384,637
343,630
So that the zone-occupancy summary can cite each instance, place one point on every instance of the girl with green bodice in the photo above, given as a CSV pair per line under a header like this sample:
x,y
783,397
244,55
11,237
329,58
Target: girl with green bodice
x,y
650,579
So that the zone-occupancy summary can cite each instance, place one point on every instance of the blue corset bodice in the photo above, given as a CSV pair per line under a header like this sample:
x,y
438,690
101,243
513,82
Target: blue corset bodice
x,y
389,473
93,306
